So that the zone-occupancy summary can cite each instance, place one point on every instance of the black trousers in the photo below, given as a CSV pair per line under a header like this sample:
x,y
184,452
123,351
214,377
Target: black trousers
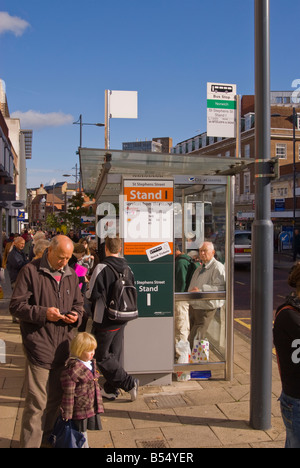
x,y
109,359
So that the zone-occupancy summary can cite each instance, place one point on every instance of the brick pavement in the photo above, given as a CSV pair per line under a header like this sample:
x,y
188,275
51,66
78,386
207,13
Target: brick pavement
x,y
193,414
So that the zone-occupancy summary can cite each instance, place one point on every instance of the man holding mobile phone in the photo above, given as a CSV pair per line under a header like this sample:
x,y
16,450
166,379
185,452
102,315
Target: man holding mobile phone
x,y
49,305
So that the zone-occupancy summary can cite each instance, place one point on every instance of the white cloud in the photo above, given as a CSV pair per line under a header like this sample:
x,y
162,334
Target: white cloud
x,y
36,120
12,24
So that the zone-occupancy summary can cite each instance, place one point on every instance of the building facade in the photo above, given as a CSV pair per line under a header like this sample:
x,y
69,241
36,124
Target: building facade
x,y
15,148
282,145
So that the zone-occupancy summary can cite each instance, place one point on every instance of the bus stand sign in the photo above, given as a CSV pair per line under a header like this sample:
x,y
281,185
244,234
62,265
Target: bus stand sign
x,y
221,110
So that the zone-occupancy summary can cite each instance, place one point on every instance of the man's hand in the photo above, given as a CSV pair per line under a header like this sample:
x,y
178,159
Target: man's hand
x,y
53,314
70,318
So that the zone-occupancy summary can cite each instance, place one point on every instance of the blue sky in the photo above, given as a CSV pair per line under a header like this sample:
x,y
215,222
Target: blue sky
x,y
58,57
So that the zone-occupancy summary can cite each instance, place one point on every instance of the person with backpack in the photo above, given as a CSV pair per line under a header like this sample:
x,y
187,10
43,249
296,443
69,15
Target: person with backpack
x,y
109,323
286,336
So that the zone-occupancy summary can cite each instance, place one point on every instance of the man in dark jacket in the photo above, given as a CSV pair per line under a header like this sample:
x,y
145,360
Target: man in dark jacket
x,y
16,259
49,305
109,333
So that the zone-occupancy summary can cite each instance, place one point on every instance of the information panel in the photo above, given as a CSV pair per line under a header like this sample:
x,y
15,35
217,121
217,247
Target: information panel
x,y
147,223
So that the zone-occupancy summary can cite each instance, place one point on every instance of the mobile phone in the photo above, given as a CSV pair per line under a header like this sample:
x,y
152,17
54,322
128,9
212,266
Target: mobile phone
x,y
71,313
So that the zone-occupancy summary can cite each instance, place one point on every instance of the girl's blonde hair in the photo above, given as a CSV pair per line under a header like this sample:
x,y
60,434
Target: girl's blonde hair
x,y
81,343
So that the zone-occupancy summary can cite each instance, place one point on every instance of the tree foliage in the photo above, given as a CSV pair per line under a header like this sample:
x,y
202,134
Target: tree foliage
x,y
72,217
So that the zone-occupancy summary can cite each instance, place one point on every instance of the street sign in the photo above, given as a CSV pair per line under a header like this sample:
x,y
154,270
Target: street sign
x,y
279,204
22,216
221,110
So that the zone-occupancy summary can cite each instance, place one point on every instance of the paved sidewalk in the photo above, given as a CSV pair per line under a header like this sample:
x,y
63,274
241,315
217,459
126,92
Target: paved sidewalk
x,y
193,414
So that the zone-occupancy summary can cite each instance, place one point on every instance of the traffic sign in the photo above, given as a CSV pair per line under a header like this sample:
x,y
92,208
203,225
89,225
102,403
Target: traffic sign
x,y
22,215
221,110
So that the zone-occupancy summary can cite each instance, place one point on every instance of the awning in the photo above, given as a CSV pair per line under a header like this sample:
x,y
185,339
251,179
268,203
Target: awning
x,y
97,164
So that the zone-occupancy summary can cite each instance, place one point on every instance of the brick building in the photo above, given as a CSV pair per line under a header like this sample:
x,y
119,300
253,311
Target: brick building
x,y
282,146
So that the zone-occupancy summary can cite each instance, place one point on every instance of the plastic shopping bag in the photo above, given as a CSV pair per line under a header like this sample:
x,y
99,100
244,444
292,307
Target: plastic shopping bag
x,y
200,351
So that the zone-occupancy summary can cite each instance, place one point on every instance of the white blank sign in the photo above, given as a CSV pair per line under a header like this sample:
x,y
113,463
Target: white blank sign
x,y
123,104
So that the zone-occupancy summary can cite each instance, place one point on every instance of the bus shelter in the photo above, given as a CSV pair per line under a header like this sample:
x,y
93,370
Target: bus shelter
x,y
159,204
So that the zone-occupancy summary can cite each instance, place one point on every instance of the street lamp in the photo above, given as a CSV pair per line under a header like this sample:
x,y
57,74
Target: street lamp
x,y
77,177
79,122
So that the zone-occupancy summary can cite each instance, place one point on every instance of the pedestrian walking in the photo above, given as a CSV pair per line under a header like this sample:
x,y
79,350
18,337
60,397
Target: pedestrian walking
x,y
109,333
49,305
16,259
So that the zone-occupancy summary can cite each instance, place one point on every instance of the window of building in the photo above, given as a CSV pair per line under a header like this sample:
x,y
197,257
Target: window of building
x,y
247,182
237,185
281,150
247,151
249,120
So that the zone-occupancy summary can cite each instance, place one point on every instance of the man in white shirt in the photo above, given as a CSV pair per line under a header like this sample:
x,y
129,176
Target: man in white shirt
x,y
210,276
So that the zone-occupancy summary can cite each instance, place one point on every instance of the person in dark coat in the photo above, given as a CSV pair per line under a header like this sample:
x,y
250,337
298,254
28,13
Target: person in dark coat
x,y
286,333
49,305
109,333
16,259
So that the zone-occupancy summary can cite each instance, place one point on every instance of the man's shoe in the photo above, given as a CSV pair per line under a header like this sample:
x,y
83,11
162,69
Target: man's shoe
x,y
134,391
108,396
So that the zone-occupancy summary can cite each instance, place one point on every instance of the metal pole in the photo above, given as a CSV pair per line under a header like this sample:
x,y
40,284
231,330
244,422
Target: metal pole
x,y
294,172
238,127
80,123
229,275
107,119
262,230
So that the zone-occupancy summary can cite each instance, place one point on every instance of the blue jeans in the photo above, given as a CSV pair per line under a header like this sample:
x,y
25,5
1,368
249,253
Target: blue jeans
x,y
290,411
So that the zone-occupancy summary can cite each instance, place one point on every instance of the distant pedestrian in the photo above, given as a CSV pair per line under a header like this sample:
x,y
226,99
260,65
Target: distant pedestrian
x,y
39,248
286,335
38,236
73,236
16,259
49,305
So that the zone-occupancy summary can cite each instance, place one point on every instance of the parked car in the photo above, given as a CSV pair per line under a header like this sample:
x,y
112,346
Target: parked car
x,y
242,247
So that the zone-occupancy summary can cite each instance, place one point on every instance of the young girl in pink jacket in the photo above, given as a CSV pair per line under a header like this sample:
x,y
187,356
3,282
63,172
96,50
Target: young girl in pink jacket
x,y
82,401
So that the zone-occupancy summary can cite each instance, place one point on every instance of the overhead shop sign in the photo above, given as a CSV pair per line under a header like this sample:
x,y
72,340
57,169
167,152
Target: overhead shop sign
x,y
221,110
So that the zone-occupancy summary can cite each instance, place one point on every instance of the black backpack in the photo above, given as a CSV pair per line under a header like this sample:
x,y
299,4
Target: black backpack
x,y
122,305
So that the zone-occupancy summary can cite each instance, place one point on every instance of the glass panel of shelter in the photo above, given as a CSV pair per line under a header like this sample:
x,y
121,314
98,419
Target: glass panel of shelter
x,y
199,216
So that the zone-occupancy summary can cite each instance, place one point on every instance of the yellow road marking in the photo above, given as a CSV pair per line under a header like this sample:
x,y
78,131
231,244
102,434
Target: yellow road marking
x,y
243,321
